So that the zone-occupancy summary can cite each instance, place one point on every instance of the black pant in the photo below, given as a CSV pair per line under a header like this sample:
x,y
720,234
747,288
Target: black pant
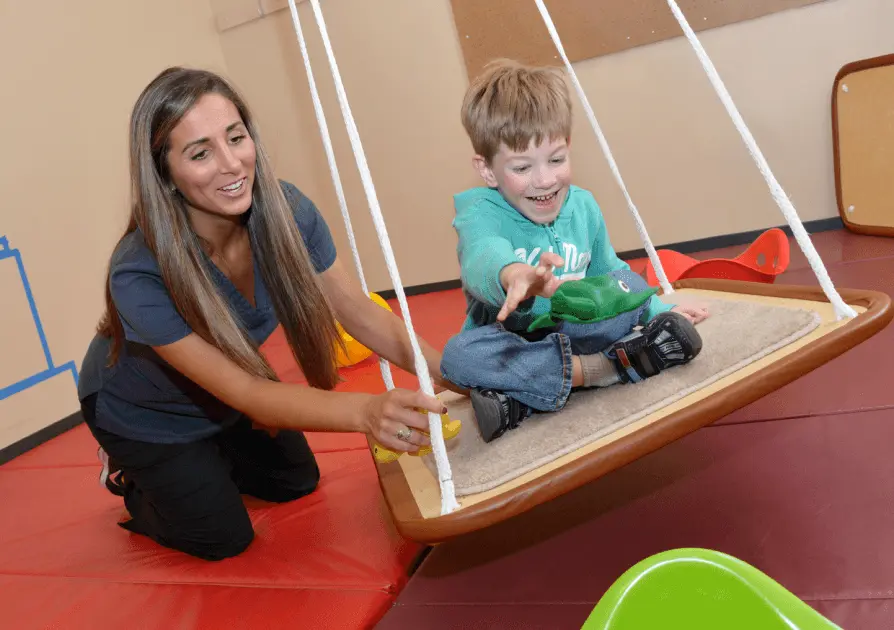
x,y
188,496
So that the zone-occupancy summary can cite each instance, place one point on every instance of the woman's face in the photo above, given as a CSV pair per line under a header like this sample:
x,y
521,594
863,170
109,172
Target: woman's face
x,y
212,158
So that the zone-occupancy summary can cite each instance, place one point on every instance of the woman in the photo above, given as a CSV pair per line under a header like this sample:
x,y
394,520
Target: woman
x,y
217,254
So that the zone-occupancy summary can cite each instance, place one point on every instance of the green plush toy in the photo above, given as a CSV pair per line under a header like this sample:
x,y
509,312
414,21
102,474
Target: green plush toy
x,y
591,300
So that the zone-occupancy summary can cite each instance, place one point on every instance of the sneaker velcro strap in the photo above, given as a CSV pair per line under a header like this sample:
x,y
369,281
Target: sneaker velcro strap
x,y
624,360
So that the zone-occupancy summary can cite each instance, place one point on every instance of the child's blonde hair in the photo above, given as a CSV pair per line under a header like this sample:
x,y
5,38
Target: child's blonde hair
x,y
512,103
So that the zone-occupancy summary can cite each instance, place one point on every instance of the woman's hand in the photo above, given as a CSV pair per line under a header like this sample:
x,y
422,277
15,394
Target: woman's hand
x,y
522,281
394,421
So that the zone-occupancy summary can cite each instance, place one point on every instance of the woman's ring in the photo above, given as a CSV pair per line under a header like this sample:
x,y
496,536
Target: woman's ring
x,y
404,434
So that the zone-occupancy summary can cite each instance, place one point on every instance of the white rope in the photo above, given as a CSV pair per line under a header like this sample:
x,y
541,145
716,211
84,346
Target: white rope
x,y
640,226
445,477
842,309
384,366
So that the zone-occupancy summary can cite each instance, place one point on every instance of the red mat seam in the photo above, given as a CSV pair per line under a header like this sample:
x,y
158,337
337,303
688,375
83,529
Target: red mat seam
x,y
491,604
846,262
390,589
594,602
839,412
805,266
880,598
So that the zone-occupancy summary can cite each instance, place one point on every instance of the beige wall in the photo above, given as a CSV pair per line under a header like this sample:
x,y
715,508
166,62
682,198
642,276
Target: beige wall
x,y
404,84
680,156
682,159
70,75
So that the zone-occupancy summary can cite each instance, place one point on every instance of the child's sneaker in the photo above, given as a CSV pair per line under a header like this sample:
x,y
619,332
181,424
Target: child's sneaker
x,y
669,339
497,413
111,476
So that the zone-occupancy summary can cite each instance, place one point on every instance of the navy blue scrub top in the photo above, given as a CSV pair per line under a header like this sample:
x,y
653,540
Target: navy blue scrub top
x,y
143,398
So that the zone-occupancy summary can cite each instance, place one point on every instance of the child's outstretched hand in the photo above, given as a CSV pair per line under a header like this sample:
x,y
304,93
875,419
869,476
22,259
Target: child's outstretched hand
x,y
522,281
695,313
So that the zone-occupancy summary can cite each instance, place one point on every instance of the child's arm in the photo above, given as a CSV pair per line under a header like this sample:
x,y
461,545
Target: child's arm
x,y
483,254
491,270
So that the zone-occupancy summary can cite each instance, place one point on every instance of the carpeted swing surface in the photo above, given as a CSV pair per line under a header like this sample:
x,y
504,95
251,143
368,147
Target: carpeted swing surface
x,y
736,334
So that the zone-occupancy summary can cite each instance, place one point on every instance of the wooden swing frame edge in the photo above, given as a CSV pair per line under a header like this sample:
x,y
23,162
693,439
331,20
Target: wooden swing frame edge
x,y
878,314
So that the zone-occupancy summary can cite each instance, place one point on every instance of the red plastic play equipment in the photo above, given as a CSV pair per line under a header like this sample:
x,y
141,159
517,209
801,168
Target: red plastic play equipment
x,y
765,258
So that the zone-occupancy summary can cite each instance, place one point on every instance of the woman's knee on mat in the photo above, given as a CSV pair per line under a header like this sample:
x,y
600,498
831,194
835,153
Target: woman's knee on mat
x,y
224,540
212,530
278,468
222,530
286,485
303,476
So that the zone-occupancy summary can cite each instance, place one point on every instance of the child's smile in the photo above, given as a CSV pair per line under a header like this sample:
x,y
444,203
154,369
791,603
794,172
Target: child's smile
x,y
546,204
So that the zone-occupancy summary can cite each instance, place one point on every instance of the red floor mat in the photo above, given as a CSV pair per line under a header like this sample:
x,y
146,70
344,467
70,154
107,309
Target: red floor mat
x,y
75,447
806,501
330,560
339,537
41,603
335,442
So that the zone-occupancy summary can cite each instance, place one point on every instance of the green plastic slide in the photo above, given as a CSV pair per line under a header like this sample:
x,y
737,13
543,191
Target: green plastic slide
x,y
699,589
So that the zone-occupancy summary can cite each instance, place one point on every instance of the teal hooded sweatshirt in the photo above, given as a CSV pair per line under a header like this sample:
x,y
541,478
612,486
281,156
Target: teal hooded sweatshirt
x,y
493,234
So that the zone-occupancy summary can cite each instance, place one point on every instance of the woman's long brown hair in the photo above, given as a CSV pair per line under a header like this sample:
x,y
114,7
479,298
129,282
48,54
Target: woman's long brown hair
x,y
161,215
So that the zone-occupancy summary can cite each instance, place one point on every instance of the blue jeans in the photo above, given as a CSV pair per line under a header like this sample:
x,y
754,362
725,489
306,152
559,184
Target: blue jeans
x,y
534,369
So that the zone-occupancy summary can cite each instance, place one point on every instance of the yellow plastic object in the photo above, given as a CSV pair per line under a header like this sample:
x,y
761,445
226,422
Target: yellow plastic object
x,y
449,427
356,351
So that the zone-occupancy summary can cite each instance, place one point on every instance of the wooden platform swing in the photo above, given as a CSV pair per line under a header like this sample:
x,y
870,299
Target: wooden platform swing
x,y
759,338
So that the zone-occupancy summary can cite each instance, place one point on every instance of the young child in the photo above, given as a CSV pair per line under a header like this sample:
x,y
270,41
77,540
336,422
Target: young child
x,y
520,237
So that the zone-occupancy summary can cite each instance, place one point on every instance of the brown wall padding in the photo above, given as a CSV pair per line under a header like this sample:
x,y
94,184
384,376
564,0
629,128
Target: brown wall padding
x,y
490,29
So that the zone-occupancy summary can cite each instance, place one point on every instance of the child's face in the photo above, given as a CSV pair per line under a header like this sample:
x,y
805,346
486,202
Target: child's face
x,y
535,182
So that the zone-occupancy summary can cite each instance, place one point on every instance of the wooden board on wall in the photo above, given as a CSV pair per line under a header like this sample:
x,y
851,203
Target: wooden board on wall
x,y
490,29
863,145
